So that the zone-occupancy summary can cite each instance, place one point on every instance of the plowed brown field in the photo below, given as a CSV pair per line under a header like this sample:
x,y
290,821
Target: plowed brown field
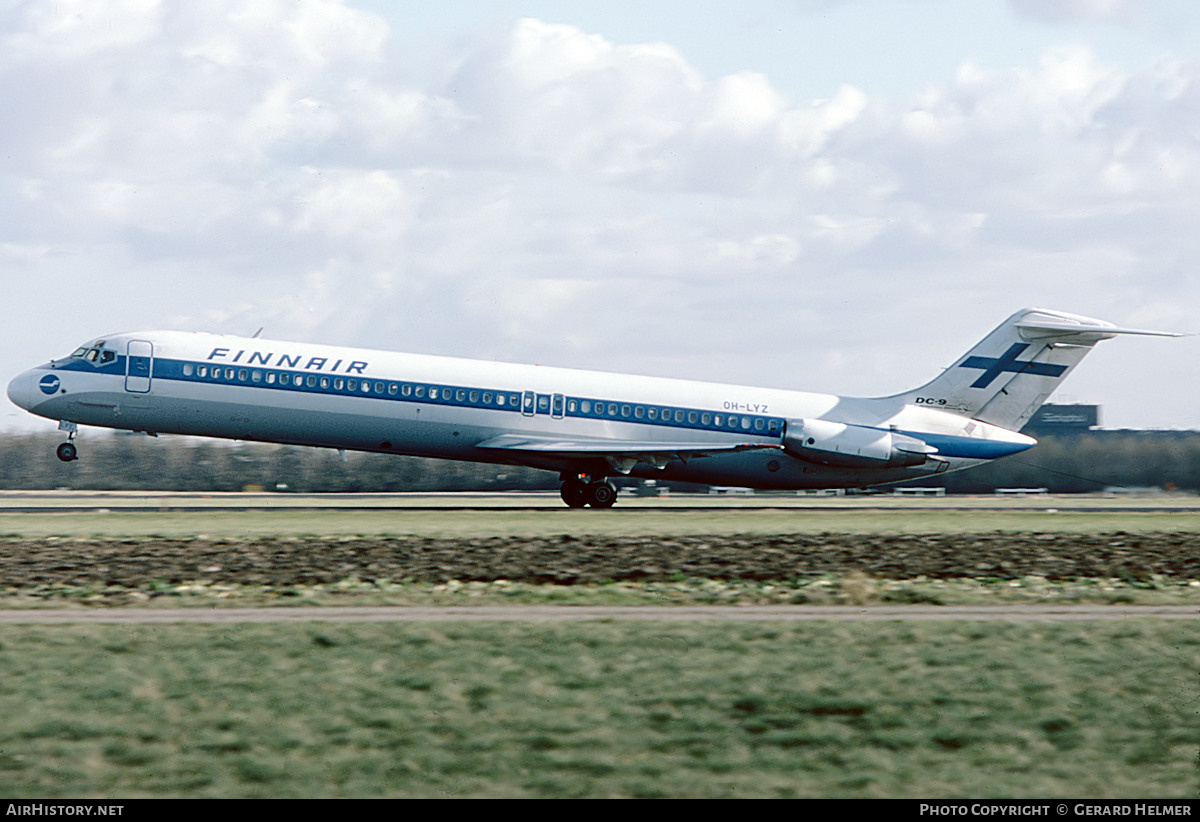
x,y
566,560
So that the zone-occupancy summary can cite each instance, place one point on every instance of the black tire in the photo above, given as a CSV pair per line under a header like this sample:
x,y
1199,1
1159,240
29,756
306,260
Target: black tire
x,y
67,453
602,494
575,493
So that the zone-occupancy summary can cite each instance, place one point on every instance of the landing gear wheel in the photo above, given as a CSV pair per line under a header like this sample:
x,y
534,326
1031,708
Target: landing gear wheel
x,y
601,494
67,453
575,493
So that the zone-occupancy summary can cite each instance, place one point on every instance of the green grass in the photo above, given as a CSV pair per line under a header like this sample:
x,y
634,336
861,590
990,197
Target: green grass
x,y
549,522
601,710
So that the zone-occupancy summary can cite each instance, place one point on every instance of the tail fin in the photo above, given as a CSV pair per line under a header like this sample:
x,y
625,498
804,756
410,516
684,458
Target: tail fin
x,y
1007,376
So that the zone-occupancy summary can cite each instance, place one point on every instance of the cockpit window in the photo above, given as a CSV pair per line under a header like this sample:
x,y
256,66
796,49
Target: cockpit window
x,y
95,353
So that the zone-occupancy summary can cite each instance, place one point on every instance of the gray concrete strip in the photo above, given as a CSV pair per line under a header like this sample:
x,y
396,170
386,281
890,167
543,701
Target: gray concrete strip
x,y
570,613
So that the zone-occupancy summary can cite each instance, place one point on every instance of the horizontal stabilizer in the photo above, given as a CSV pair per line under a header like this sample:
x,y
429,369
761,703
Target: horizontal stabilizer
x,y
1083,332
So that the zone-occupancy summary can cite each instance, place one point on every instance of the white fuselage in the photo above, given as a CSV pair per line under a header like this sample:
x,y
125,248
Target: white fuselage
x,y
305,394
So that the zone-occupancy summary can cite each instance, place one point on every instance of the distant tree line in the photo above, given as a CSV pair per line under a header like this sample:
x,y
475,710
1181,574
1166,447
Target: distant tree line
x,y
131,462
1062,464
1090,461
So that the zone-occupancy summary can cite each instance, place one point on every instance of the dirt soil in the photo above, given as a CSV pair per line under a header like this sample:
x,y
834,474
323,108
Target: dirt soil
x,y
566,560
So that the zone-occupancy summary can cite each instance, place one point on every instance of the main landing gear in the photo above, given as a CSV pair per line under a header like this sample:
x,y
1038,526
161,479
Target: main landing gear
x,y
579,490
67,451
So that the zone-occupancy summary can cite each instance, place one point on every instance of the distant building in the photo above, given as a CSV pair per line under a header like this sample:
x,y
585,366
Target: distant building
x,y
1063,419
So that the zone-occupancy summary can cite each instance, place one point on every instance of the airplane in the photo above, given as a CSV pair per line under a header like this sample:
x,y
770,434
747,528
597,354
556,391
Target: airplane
x,y
587,426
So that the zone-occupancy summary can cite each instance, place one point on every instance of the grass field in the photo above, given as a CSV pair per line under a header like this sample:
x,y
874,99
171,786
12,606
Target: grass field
x,y
110,520
602,710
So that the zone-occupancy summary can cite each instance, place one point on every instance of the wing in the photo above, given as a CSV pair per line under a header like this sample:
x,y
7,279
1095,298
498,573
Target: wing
x,y
621,455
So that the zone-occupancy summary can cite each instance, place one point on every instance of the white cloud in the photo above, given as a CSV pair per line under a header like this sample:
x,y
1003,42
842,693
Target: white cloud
x,y
607,203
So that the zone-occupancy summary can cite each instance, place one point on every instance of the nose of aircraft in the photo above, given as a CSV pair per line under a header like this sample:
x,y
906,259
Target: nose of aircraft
x,y
23,390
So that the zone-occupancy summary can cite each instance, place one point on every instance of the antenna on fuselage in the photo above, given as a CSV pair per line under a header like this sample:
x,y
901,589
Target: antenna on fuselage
x,y
257,333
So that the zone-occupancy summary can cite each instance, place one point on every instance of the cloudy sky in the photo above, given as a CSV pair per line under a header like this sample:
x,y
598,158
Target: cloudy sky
x,y
835,195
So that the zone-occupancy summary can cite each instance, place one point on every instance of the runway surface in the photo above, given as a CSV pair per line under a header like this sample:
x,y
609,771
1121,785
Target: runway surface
x,y
570,613
46,502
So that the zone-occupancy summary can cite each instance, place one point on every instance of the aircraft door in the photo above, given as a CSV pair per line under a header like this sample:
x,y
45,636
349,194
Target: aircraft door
x,y
139,364
527,404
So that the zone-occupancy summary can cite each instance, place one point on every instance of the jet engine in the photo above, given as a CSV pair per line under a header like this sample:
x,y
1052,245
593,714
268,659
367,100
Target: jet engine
x,y
853,446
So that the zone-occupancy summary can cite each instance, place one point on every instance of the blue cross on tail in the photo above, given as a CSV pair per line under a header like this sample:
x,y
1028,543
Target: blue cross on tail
x,y
995,366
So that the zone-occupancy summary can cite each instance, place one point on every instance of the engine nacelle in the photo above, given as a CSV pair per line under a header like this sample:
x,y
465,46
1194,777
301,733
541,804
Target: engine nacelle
x,y
853,446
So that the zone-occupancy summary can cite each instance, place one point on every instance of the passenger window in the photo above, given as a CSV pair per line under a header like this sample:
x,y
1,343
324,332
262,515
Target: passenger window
x,y
585,406
706,419
188,368
693,417
487,397
324,382
639,412
420,391
243,375
474,396
256,376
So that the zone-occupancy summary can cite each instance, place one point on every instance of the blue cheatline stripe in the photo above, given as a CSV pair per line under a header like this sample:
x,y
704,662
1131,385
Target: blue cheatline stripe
x,y
340,385
995,366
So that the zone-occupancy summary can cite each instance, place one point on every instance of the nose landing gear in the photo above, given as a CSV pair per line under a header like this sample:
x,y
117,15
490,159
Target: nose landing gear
x,y
67,451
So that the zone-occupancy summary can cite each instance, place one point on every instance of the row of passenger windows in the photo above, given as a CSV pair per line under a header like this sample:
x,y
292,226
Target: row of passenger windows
x,y
652,413
546,403
256,376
